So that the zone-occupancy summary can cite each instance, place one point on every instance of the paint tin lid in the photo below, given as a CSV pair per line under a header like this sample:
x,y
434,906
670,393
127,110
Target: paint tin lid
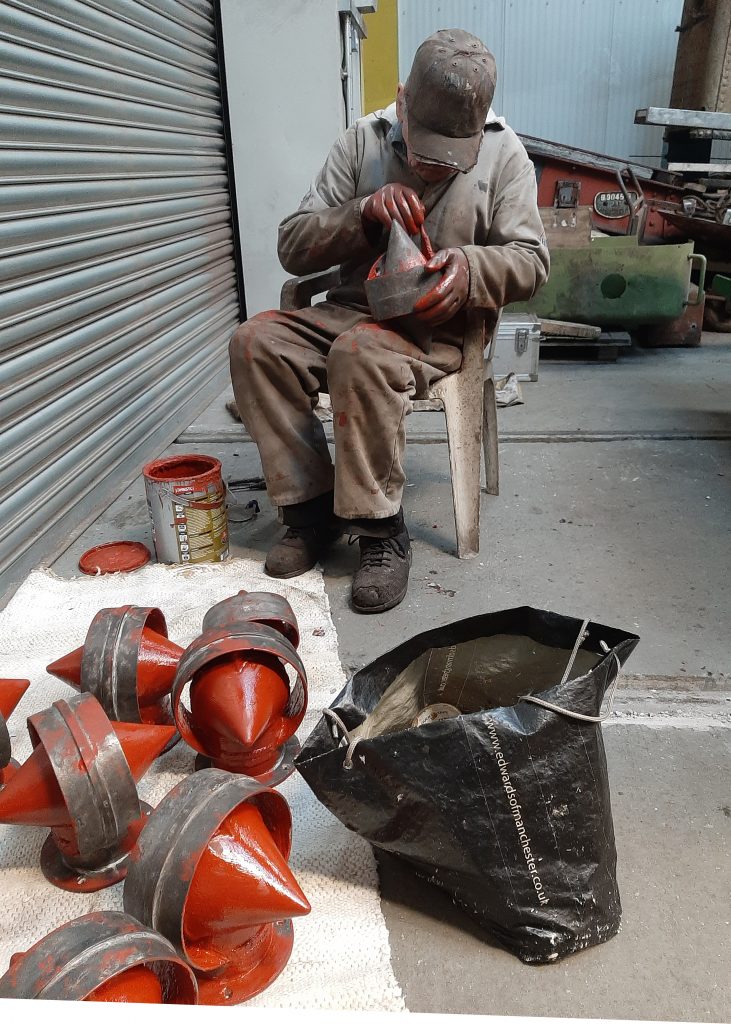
x,y
119,556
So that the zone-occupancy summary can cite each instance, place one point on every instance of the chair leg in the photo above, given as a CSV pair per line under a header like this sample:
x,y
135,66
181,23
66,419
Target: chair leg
x,y
463,436
490,438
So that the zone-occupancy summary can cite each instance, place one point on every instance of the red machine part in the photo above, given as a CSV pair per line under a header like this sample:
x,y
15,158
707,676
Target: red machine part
x,y
241,882
80,781
102,957
244,711
398,279
237,704
135,985
211,874
591,179
11,693
127,663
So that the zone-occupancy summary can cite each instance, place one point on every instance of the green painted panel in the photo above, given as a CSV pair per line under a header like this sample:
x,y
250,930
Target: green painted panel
x,y
614,282
722,286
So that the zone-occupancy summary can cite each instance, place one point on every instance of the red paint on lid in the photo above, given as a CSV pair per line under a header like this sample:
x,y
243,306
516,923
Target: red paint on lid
x,y
119,556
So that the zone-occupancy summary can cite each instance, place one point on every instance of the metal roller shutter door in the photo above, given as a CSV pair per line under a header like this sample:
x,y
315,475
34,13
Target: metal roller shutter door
x,y
118,286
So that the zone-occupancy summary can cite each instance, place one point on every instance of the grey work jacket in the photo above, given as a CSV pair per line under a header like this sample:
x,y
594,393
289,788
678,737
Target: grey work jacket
x,y
490,213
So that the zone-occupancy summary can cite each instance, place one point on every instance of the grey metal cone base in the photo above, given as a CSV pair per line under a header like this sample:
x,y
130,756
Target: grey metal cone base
x,y
76,879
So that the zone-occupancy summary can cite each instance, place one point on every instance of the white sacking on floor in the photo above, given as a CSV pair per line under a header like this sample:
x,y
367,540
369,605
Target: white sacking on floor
x,y
341,957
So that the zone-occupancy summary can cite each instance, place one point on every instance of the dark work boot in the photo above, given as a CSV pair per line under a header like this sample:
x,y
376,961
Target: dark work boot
x,y
298,550
311,530
382,578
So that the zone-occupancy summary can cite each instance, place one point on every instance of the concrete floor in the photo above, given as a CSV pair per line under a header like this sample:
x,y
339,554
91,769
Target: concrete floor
x,y
614,504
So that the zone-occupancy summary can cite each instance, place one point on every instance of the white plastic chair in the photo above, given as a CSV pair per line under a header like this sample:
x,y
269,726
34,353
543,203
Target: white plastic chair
x,y
468,400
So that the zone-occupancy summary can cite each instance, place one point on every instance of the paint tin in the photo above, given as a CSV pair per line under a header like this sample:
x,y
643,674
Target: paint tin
x,y
187,502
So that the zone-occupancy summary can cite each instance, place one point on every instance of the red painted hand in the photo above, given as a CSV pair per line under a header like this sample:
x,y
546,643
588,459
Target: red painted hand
x,y
395,202
450,294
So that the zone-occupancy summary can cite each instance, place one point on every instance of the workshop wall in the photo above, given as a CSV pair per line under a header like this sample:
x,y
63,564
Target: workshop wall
x,y
286,109
571,71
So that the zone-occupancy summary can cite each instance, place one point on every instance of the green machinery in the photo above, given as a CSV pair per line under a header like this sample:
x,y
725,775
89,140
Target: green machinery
x,y
614,281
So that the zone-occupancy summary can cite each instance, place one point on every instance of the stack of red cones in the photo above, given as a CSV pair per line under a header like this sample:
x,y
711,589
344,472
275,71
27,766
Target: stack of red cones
x,y
207,871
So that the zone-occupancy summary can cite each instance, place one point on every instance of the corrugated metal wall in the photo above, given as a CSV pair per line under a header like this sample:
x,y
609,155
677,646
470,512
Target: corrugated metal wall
x,y
573,71
117,278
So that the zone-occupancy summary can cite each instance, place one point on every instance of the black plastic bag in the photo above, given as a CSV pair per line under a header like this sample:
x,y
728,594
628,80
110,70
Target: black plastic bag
x,y
501,801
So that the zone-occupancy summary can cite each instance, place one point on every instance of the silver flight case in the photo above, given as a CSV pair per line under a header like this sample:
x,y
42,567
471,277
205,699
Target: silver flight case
x,y
517,346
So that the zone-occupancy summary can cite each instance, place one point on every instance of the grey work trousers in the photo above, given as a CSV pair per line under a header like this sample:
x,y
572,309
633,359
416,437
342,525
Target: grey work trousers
x,y
279,363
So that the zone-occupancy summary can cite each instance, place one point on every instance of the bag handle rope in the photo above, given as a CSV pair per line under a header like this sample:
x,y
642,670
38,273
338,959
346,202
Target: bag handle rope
x,y
338,723
583,633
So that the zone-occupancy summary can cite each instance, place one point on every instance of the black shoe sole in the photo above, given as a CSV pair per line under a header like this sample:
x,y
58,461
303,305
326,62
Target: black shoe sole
x,y
380,607
288,575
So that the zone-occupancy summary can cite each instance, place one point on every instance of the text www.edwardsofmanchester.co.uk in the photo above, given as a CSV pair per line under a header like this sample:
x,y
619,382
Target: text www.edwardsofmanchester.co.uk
x,y
515,809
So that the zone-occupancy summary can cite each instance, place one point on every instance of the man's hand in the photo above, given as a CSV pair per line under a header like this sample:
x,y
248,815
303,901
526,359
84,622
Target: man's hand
x,y
450,294
395,203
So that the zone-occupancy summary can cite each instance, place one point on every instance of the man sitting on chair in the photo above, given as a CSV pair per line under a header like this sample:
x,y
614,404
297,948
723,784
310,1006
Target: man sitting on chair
x,y
438,157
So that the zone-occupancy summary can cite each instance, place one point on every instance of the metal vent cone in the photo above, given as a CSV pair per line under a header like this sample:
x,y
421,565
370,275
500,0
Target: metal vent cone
x,y
397,279
402,254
